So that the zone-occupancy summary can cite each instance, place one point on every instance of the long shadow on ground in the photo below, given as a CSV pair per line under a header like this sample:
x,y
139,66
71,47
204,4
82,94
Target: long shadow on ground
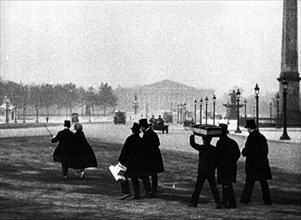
x,y
31,185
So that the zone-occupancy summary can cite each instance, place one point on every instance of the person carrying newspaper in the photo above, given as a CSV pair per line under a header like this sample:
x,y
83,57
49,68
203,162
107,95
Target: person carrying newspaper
x,y
131,157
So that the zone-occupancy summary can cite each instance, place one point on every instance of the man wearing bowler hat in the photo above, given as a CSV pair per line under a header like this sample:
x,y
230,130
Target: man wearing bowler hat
x,y
64,148
152,156
257,166
227,155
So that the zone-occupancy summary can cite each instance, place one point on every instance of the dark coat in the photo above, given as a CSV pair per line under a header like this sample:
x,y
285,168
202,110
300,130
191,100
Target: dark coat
x,y
227,155
207,157
131,156
63,149
151,152
256,152
82,155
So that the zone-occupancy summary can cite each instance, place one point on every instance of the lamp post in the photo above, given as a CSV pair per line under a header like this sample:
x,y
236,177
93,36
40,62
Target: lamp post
x,y
277,100
228,113
24,112
206,102
195,111
256,96
178,108
184,112
181,110
16,114
89,113
201,105
270,112
284,135
245,109
6,112
237,100
37,115
135,104
146,110
214,99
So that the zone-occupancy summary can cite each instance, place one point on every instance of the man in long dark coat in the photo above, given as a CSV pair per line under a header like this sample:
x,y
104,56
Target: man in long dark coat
x,y
64,148
131,157
227,155
257,166
152,156
206,170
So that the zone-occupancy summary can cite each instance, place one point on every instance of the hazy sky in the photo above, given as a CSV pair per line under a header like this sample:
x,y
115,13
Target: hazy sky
x,y
205,44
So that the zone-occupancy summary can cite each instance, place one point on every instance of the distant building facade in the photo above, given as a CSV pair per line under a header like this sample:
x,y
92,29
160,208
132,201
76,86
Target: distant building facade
x,y
161,96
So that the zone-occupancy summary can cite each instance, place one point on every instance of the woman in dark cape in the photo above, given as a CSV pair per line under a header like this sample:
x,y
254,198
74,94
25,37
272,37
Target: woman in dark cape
x,y
82,154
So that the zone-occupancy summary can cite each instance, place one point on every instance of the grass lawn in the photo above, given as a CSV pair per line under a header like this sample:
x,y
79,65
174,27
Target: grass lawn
x,y
31,188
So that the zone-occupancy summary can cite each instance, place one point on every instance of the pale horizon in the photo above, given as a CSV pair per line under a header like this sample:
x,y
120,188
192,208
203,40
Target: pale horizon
x,y
203,44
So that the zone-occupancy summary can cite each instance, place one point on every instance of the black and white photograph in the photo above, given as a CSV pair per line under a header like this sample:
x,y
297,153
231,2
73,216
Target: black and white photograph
x,y
167,109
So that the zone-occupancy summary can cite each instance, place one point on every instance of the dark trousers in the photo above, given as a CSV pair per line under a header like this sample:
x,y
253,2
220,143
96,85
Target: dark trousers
x,y
228,197
199,185
125,188
248,189
146,183
64,168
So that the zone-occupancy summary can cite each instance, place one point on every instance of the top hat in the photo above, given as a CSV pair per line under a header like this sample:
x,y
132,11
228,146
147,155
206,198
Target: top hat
x,y
224,128
143,122
136,128
67,123
251,124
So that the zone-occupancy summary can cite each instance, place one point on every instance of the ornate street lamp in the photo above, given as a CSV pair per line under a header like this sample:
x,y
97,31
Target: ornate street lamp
x,y
195,111
214,100
135,104
277,100
237,100
201,105
245,109
284,135
257,111
270,112
206,101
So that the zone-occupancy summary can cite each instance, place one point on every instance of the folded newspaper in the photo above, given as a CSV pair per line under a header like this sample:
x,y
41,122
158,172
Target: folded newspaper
x,y
118,171
206,130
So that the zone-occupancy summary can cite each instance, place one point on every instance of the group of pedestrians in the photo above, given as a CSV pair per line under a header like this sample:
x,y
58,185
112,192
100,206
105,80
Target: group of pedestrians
x,y
223,158
73,150
142,157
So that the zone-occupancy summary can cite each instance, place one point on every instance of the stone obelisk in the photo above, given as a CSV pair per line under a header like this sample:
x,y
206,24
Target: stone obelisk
x,y
289,63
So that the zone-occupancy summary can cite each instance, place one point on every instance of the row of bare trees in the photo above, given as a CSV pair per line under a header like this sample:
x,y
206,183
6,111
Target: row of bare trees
x,y
61,96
